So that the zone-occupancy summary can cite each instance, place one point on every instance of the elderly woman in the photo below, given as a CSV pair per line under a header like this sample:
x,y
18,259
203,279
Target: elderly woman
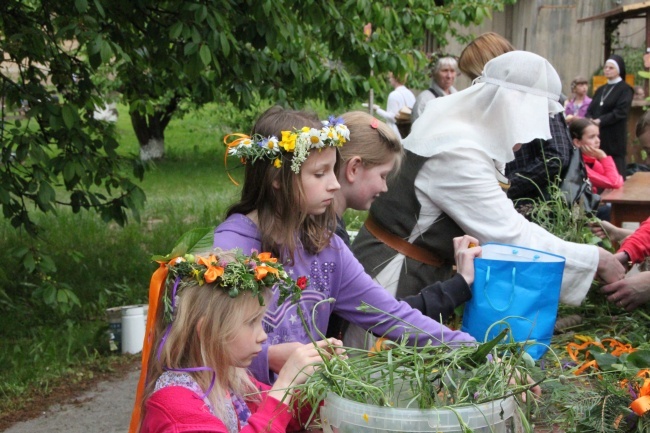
x,y
609,110
443,76
449,184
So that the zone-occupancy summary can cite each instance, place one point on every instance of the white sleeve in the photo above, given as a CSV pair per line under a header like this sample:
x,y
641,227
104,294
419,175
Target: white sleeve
x,y
462,184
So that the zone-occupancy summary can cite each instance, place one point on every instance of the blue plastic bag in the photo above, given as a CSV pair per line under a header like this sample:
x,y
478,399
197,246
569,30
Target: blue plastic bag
x,y
518,286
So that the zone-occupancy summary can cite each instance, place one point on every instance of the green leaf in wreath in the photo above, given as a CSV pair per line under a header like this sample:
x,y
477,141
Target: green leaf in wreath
x,y
197,240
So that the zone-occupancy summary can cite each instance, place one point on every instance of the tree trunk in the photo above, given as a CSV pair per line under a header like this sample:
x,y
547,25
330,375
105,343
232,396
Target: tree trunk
x,y
150,130
154,149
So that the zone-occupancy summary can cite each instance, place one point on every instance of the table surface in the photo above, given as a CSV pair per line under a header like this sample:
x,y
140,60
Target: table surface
x,y
636,189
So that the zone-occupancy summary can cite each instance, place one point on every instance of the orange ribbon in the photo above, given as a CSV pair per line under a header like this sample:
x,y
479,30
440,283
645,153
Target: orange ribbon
x,y
156,286
234,143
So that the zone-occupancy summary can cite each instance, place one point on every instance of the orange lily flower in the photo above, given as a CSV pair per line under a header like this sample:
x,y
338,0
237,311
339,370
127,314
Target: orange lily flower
x,y
642,404
262,271
214,271
266,257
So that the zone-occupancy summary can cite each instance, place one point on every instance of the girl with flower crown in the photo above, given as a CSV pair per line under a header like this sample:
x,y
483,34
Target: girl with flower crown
x,y
368,158
207,331
286,208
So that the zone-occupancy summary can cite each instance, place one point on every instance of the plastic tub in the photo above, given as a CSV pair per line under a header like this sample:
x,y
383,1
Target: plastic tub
x,y
133,329
346,416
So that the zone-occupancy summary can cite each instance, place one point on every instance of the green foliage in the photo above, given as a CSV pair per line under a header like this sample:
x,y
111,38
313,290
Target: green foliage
x,y
568,222
402,375
57,154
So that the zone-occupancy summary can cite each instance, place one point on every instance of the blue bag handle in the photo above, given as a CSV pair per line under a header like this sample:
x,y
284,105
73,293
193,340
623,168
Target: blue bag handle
x,y
512,292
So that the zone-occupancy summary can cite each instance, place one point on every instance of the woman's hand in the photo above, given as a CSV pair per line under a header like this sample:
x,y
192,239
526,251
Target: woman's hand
x,y
629,293
466,249
609,269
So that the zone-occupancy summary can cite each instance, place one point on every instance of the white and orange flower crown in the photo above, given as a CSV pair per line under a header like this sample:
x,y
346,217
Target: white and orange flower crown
x,y
299,142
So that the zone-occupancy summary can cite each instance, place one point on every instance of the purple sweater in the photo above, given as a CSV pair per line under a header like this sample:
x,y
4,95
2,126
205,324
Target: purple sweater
x,y
333,273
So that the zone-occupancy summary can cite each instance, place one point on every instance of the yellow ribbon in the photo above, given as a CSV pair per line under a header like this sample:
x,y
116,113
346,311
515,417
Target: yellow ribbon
x,y
234,143
156,286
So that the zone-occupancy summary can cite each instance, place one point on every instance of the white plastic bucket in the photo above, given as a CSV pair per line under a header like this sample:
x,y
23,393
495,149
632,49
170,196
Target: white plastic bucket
x,y
133,329
340,415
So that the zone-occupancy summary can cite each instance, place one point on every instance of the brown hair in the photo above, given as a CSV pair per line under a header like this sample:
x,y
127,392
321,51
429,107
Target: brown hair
x,y
371,140
206,322
281,222
578,80
578,126
480,51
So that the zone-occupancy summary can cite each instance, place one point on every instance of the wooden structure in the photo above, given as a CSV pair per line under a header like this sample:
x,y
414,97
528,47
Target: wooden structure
x,y
631,202
614,17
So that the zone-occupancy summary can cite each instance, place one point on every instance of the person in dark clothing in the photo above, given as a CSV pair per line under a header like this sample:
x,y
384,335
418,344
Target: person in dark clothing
x,y
609,110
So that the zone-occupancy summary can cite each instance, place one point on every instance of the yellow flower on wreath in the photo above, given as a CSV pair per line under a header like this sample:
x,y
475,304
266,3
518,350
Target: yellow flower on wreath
x,y
288,141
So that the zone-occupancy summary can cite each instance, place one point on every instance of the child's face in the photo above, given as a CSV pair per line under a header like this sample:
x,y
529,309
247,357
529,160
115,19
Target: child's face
x,y
581,89
319,181
371,182
590,137
247,342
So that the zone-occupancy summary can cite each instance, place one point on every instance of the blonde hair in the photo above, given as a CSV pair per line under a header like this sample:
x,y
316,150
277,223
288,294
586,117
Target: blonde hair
x,y
281,221
206,322
371,140
480,51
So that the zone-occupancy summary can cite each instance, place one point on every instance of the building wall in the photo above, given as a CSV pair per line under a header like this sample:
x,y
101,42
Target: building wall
x,y
550,28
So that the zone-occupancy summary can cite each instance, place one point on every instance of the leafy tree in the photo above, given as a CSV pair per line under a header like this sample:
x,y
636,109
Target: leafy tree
x,y
62,57
174,50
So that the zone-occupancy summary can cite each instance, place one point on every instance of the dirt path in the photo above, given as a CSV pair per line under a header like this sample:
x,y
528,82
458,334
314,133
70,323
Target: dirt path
x,y
106,408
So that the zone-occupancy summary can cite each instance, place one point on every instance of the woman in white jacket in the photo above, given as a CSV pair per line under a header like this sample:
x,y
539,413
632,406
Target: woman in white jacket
x,y
450,181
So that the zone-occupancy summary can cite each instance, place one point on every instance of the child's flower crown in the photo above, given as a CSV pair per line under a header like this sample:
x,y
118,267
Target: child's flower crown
x,y
299,142
232,272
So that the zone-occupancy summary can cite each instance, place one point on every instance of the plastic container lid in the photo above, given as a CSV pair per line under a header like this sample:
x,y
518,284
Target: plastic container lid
x,y
342,415
132,311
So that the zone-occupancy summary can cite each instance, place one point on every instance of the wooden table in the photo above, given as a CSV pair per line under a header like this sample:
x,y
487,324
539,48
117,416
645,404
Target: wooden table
x,y
632,201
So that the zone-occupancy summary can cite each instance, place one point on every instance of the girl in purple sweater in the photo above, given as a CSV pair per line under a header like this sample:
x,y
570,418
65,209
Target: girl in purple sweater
x,y
286,208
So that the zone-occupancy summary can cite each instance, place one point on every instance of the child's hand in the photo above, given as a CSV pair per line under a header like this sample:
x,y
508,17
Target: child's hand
x,y
466,249
304,360
594,152
605,229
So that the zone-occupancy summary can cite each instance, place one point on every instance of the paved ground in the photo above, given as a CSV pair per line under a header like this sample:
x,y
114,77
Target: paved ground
x,y
105,409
